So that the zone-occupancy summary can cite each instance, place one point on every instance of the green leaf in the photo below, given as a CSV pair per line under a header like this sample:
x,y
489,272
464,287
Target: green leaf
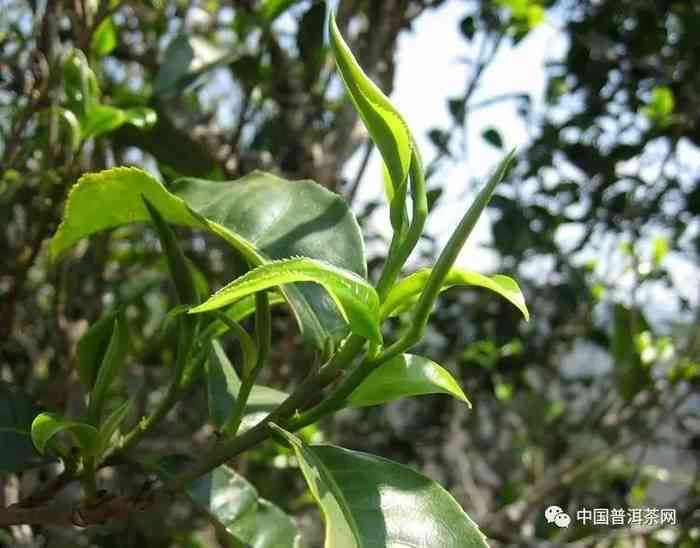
x,y
72,124
180,271
111,364
404,294
631,373
79,84
239,311
405,376
384,123
92,347
17,411
262,216
104,39
233,504
661,106
112,423
528,13
186,58
310,40
458,109
468,27
493,137
355,298
660,250
101,119
174,149
369,501
223,385
272,9
140,117
46,425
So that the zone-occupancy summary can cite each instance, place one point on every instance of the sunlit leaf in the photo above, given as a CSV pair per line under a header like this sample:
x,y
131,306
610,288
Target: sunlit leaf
x,y
405,376
384,123
79,84
104,39
272,9
370,501
406,291
661,106
355,298
46,425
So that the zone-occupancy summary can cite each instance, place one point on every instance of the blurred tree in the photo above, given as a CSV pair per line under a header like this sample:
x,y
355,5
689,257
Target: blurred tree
x,y
571,409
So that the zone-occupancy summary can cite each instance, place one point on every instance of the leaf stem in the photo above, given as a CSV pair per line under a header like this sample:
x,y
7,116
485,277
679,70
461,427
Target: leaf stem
x,y
89,479
263,331
445,262
185,339
305,392
399,254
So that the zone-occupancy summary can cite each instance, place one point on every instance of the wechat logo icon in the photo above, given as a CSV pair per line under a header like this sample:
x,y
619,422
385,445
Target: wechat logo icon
x,y
554,514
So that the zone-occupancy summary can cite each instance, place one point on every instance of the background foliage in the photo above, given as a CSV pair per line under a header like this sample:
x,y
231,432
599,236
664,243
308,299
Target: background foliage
x,y
590,404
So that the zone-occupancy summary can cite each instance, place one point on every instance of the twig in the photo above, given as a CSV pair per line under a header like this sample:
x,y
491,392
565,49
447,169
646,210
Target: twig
x,y
350,198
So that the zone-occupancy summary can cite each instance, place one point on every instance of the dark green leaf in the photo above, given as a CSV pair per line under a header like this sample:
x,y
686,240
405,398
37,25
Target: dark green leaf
x,y
632,375
493,137
16,414
175,150
441,140
468,27
92,347
180,271
109,368
223,385
433,196
402,377
370,501
235,504
186,58
457,108
262,216
310,40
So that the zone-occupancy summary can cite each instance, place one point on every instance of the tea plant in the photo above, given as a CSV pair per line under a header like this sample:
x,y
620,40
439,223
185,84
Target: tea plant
x,y
304,250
